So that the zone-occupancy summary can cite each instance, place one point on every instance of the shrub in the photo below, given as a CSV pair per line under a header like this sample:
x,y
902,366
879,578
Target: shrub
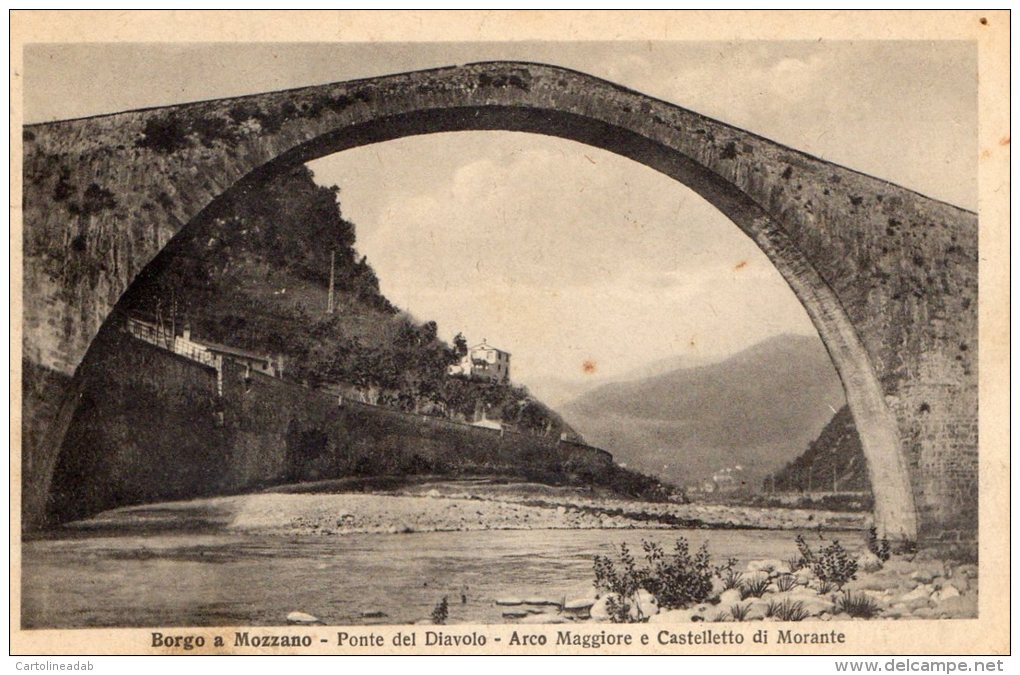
x,y
622,583
609,580
807,556
619,610
728,574
857,605
676,580
164,134
441,612
679,579
833,563
211,129
754,587
881,547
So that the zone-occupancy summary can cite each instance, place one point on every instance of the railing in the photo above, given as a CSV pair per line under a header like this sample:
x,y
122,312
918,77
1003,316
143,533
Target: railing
x,y
151,334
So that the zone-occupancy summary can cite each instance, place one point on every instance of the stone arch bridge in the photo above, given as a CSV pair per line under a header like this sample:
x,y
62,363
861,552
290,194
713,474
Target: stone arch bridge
x,y
888,276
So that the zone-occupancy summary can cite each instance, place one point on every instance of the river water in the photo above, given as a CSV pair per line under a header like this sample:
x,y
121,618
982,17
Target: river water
x,y
175,578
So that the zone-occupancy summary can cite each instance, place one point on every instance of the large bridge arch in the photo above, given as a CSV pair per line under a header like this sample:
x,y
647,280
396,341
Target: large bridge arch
x,y
887,276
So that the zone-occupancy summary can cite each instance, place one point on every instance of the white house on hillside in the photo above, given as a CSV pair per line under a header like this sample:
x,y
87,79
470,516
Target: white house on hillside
x,y
483,362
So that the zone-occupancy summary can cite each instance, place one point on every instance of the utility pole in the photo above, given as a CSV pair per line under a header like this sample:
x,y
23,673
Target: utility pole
x,y
332,263
173,314
809,471
159,319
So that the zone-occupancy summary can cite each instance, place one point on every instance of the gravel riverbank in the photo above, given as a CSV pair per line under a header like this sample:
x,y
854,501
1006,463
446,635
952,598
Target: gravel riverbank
x,y
433,510
460,506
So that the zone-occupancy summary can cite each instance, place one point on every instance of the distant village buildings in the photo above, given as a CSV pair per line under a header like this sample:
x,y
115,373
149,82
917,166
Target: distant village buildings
x,y
730,479
483,362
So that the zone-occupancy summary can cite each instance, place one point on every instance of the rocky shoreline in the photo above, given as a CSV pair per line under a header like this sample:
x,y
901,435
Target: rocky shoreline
x,y
900,588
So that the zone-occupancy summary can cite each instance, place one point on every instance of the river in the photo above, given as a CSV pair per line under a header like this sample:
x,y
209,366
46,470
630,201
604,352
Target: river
x,y
216,578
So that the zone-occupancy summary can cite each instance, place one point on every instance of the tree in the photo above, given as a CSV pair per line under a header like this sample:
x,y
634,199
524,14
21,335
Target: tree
x,y
460,346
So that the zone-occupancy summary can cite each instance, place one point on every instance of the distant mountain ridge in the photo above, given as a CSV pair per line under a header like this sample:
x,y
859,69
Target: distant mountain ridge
x,y
758,408
557,391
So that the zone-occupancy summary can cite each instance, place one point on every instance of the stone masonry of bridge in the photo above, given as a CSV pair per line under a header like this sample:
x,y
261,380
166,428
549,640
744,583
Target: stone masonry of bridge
x,y
888,276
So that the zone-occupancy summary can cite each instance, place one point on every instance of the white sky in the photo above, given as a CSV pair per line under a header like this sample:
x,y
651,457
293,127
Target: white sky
x,y
558,252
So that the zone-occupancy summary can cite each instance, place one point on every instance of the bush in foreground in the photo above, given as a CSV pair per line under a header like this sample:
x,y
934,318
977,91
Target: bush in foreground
x,y
677,579
441,612
832,564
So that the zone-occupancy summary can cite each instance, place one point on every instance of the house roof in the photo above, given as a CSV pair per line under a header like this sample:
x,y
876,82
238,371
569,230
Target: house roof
x,y
486,345
232,351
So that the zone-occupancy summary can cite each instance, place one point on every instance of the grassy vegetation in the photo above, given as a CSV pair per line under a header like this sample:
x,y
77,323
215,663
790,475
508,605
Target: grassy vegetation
x,y
786,582
857,605
754,586
739,612
787,610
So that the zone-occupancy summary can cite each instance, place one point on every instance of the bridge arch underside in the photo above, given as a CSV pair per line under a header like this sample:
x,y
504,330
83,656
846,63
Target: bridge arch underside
x,y
895,512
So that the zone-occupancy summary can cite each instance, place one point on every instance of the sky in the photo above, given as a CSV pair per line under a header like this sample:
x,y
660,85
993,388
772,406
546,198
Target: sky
x,y
561,253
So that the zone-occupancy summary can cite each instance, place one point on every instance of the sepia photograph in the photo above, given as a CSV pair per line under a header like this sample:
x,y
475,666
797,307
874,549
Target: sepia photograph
x,y
457,334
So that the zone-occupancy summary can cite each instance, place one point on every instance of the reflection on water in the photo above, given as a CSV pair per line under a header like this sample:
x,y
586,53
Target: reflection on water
x,y
167,579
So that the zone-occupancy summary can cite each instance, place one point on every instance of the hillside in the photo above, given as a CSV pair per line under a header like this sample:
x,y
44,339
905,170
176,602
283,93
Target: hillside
x,y
759,408
254,273
558,390
833,461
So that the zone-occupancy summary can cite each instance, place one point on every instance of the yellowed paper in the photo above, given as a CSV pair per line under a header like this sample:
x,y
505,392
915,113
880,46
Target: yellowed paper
x,y
600,162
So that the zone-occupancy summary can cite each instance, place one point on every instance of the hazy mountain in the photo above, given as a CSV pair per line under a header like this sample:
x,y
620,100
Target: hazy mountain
x,y
558,390
759,408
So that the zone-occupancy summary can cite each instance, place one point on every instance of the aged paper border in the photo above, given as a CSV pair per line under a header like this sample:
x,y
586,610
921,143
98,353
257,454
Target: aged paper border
x,y
989,29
